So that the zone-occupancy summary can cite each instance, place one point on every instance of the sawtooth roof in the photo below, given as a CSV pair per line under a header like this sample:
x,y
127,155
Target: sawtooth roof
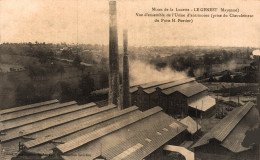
x,y
71,128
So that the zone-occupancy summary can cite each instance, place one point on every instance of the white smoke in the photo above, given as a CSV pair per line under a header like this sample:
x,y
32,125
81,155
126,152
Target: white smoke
x,y
141,72
256,52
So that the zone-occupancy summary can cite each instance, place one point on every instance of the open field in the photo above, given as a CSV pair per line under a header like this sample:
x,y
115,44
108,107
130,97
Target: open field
x,y
46,87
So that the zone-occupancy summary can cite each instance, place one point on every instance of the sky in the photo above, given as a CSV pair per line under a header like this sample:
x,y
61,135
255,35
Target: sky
x,y
87,22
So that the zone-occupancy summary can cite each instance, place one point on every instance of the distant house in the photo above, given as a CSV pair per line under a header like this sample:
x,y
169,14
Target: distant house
x,y
224,141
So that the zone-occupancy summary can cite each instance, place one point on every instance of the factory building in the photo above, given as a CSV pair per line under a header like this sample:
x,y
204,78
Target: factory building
x,y
224,141
177,97
68,131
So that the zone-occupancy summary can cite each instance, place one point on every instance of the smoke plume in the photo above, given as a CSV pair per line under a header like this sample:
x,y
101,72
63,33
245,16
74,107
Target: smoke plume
x,y
141,72
256,52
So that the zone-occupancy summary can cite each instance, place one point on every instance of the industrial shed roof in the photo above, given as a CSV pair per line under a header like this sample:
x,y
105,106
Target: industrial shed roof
x,y
50,122
156,83
28,106
187,89
231,130
134,87
21,121
145,129
176,83
192,125
164,86
71,129
203,104
42,108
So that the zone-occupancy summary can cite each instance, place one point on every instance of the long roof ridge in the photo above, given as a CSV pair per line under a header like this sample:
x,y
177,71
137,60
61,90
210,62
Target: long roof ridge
x,y
221,134
22,113
15,109
79,141
30,120
56,122
93,122
210,134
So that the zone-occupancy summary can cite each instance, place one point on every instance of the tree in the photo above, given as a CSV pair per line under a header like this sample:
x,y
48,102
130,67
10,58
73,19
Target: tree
x,y
66,92
76,60
191,72
161,65
25,94
86,86
104,79
61,70
226,78
82,68
43,58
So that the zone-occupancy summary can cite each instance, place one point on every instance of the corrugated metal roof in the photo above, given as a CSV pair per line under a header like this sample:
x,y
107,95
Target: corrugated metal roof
x,y
192,125
84,131
28,106
223,129
43,115
133,89
143,132
234,140
164,86
60,119
203,104
228,126
73,129
177,88
157,141
176,83
128,127
192,90
79,157
128,152
188,89
157,83
104,131
126,137
31,111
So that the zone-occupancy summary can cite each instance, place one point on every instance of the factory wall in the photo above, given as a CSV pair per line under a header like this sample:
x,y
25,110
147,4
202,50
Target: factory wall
x,y
177,104
134,96
173,104
155,98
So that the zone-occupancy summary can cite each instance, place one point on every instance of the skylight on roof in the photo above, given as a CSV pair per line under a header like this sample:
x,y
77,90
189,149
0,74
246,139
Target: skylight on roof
x,y
148,140
165,129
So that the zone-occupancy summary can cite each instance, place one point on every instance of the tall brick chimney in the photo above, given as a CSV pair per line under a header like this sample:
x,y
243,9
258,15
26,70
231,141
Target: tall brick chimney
x,y
126,94
258,80
113,96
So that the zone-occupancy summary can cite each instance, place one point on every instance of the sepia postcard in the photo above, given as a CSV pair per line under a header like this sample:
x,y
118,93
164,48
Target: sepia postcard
x,y
129,79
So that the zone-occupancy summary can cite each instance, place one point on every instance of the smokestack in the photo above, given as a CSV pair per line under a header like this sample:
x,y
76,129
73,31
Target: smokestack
x,y
113,56
258,79
126,94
